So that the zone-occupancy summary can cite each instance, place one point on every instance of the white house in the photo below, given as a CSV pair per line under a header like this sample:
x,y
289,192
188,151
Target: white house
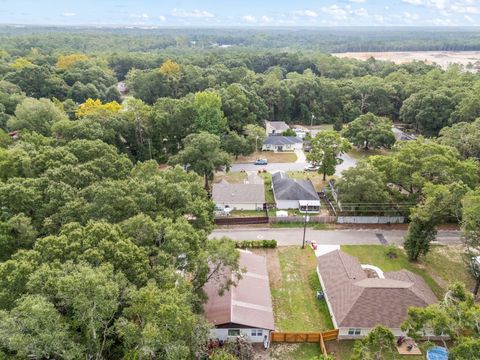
x,y
294,193
282,143
275,128
358,301
238,196
245,309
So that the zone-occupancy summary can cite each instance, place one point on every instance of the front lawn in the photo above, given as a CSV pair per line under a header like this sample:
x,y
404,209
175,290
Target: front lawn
x,y
295,305
439,268
272,157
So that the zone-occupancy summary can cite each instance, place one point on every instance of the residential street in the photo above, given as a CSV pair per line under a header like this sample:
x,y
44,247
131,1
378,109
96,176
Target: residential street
x,y
294,236
348,162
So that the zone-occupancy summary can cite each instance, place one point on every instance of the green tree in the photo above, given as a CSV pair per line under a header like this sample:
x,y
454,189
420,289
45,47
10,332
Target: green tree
x,y
36,115
465,137
429,111
363,184
471,234
377,345
35,329
160,323
210,118
255,135
370,131
236,145
202,154
327,147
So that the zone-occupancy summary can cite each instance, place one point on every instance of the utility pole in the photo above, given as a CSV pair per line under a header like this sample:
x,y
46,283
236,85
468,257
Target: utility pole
x,y
304,227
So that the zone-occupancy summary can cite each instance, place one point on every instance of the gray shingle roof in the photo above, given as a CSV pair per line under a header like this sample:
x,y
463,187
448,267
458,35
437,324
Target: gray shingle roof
x,y
238,193
358,301
285,188
279,126
282,140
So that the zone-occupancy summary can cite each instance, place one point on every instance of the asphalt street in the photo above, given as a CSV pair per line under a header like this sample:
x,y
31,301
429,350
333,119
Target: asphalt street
x,y
286,237
347,163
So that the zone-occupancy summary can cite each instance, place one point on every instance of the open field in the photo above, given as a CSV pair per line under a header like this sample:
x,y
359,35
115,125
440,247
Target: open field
x,y
272,157
441,58
294,283
442,266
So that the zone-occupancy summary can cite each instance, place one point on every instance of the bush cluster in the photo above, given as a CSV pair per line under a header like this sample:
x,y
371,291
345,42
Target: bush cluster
x,y
255,244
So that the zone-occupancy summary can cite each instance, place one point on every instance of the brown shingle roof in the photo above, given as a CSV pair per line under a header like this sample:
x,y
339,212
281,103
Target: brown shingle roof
x,y
249,303
359,301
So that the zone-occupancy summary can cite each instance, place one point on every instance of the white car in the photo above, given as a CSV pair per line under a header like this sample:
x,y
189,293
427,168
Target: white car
x,y
311,167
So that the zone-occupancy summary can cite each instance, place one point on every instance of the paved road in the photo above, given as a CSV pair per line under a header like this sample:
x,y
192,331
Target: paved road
x,y
294,236
348,162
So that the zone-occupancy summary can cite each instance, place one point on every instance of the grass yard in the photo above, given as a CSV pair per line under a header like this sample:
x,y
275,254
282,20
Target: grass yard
x,y
442,265
267,182
272,157
294,292
237,177
314,177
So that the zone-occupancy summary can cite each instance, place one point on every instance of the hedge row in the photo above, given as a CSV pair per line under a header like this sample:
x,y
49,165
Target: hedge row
x,y
248,244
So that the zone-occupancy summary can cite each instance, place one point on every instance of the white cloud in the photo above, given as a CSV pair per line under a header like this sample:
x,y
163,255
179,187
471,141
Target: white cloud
x,y
411,16
139,16
162,18
267,19
361,12
336,11
305,13
69,14
192,14
250,18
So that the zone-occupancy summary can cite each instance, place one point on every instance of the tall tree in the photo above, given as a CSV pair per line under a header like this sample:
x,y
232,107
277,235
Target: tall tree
x,y
210,118
202,154
370,131
327,147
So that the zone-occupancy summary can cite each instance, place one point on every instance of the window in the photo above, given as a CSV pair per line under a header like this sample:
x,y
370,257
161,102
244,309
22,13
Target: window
x,y
233,332
257,332
353,331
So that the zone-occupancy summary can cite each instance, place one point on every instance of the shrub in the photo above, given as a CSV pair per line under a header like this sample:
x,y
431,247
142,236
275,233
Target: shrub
x,y
256,244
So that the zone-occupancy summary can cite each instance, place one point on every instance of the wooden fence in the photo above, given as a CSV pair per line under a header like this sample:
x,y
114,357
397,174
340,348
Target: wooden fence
x,y
312,337
241,220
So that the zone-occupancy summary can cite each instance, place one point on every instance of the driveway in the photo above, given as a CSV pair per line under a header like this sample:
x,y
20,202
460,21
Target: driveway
x,y
347,163
294,236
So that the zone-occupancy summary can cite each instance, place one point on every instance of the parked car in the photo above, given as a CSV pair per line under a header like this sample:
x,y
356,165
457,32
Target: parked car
x,y
261,162
311,167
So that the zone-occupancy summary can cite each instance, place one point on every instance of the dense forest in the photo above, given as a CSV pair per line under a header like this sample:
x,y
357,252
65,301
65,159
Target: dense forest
x,y
105,256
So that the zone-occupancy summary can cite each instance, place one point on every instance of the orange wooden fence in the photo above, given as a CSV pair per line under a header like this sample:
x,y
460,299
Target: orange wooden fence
x,y
312,337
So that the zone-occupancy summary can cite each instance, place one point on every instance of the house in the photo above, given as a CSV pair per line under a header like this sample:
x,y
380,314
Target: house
x,y
238,196
282,143
245,309
275,128
294,194
361,297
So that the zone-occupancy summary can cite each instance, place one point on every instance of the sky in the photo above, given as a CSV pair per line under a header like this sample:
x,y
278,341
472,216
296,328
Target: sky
x,y
253,13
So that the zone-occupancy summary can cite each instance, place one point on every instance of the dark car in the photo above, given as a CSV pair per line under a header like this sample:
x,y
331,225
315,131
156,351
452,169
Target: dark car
x,y
261,162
